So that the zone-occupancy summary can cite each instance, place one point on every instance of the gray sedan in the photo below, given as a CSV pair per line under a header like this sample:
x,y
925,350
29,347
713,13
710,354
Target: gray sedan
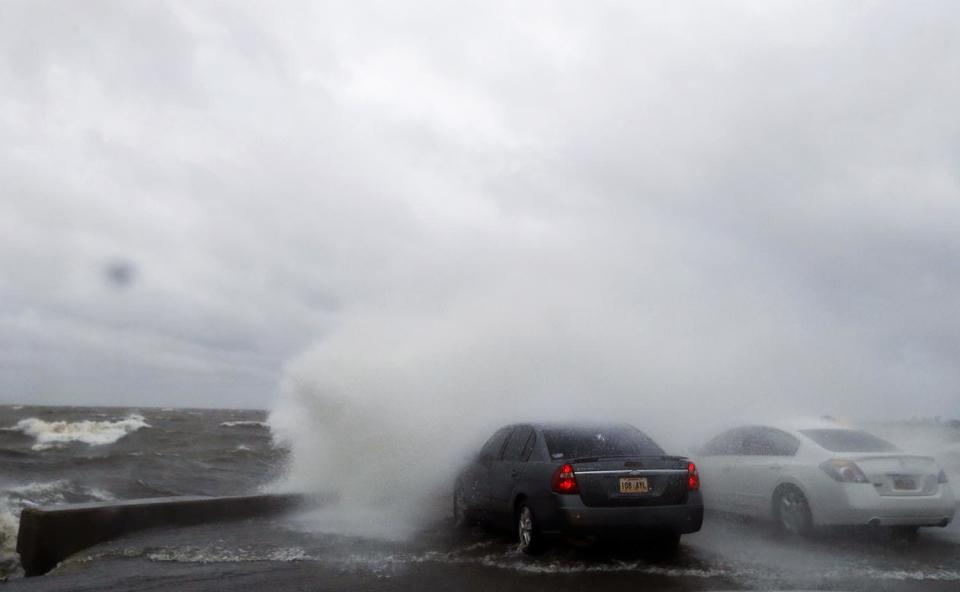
x,y
546,480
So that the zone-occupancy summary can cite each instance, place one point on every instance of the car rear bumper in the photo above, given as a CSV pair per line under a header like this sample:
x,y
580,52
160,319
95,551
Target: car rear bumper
x,y
858,503
576,518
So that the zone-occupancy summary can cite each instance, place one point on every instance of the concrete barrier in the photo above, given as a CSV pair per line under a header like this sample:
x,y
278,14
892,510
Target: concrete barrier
x,y
50,534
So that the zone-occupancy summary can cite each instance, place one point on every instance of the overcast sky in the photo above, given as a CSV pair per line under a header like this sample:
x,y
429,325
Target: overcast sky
x,y
725,201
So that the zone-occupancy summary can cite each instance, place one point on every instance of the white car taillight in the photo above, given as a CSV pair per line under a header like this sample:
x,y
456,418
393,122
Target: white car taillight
x,y
844,470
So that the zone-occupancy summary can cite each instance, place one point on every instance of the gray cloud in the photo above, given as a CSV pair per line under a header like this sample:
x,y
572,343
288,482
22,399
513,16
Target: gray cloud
x,y
734,203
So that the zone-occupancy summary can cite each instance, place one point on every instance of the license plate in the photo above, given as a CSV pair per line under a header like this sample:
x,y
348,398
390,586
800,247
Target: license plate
x,y
634,485
904,483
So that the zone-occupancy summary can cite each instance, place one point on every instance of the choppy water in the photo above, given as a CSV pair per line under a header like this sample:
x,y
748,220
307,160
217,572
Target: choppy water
x,y
51,455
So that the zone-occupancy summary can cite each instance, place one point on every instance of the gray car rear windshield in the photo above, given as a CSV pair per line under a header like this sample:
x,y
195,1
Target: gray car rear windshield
x,y
605,441
849,441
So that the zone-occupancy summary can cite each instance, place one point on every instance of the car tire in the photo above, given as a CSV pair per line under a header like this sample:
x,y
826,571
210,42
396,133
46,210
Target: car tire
x,y
530,540
792,511
462,515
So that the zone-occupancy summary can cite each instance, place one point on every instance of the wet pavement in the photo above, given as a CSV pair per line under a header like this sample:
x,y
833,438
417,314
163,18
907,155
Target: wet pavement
x,y
727,554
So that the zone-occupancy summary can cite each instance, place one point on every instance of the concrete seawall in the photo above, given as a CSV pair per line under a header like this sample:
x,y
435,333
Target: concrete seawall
x,y
50,534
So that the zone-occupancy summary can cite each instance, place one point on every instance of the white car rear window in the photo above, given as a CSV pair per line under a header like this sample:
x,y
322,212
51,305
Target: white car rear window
x,y
836,440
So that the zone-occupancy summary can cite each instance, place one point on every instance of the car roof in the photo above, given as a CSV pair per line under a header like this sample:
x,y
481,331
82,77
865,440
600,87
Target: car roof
x,y
801,424
575,425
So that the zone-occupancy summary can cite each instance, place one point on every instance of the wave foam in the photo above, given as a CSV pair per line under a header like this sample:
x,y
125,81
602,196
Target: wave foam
x,y
192,554
8,534
244,424
14,498
95,433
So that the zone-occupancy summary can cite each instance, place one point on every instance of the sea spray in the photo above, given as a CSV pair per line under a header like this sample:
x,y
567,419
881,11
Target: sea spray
x,y
8,535
385,411
397,395
15,497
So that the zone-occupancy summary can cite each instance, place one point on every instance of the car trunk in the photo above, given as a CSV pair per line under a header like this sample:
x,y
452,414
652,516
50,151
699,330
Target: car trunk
x,y
633,481
899,475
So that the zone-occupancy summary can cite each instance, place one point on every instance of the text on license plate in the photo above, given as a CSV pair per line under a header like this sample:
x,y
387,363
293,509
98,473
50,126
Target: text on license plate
x,y
634,485
904,483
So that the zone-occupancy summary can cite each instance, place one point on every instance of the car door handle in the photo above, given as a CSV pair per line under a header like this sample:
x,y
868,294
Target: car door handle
x,y
776,467
514,472
726,468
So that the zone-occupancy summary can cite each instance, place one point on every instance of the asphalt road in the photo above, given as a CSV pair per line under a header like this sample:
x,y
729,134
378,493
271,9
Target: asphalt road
x,y
280,555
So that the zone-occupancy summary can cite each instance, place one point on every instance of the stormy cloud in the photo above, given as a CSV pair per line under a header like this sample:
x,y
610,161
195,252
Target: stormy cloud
x,y
738,205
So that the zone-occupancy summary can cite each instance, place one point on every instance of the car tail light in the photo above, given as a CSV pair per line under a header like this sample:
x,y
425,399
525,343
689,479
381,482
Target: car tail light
x,y
693,477
846,471
942,477
564,480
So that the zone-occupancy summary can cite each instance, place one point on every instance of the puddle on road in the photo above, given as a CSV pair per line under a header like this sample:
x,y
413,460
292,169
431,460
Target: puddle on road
x,y
497,554
724,552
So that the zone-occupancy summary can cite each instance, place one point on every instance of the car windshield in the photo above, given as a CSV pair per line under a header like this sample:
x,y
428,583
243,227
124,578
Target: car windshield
x,y
849,441
602,441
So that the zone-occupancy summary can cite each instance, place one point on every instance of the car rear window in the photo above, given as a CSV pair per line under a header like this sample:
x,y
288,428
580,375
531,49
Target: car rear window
x,y
580,442
849,441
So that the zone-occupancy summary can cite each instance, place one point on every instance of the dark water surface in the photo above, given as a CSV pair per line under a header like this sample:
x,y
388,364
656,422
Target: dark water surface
x,y
52,455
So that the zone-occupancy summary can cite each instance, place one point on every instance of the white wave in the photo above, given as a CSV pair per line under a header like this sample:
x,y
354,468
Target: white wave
x,y
53,433
100,495
244,424
8,534
49,492
13,498
40,492
243,448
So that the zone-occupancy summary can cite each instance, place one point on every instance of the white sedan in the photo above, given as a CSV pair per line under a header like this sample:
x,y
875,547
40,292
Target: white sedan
x,y
807,475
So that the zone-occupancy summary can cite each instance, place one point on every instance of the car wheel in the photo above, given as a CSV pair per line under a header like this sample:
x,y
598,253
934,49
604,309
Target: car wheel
x,y
462,517
792,511
528,533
